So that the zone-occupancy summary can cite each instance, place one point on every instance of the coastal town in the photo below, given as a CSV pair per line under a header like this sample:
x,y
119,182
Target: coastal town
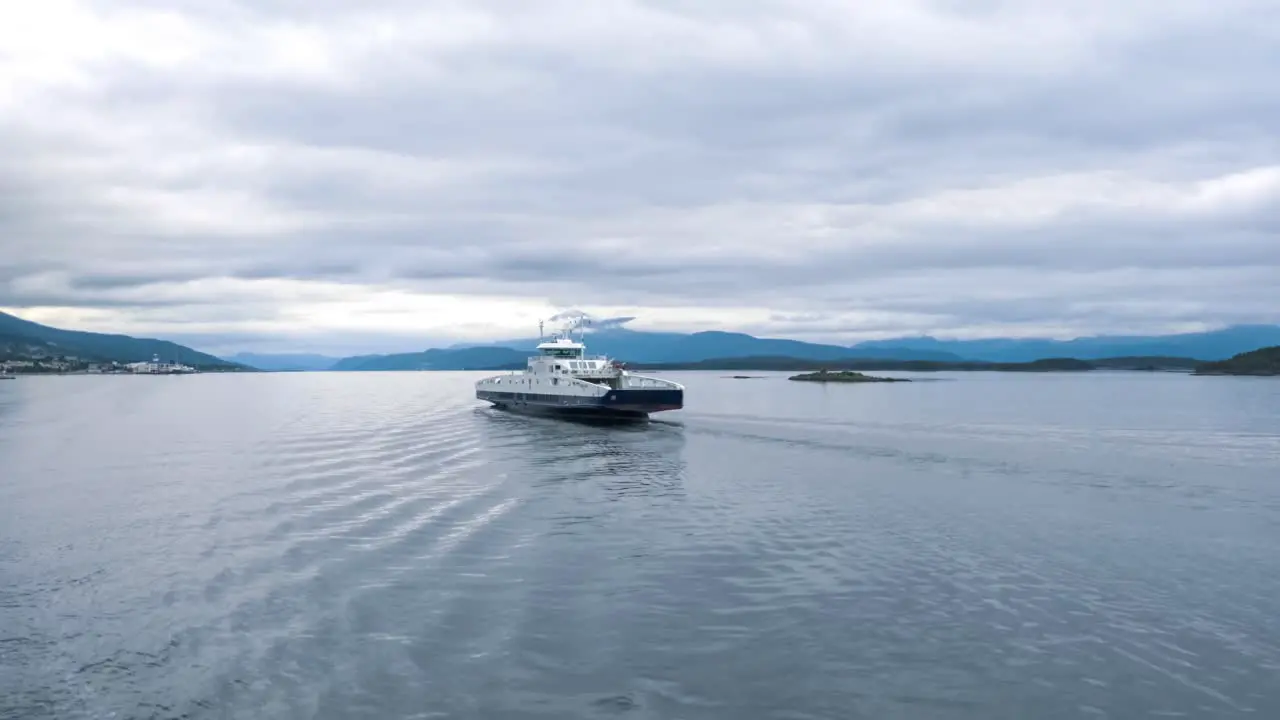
x,y
73,365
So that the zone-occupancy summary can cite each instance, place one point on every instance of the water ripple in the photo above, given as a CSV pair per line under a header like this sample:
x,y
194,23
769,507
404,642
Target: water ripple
x,y
381,545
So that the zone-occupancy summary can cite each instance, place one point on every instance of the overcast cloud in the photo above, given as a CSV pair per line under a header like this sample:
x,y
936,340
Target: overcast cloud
x,y
350,176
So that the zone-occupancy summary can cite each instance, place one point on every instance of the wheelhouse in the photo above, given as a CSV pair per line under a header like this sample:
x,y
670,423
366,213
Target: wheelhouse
x,y
562,348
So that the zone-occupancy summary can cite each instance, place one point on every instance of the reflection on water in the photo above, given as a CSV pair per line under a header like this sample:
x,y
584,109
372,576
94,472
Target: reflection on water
x,y
618,458
384,546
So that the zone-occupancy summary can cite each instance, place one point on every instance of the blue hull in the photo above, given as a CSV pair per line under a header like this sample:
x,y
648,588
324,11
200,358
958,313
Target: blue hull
x,y
616,404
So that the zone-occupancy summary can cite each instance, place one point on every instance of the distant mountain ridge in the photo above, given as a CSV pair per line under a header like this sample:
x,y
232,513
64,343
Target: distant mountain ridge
x,y
23,336
1151,364
630,346
478,358
18,337
652,348
283,362
1211,345
856,364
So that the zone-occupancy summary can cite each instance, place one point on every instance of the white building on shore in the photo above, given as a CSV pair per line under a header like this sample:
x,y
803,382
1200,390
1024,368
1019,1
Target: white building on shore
x,y
156,367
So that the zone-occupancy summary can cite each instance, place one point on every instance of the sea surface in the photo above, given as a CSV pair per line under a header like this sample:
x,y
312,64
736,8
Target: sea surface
x,y
382,545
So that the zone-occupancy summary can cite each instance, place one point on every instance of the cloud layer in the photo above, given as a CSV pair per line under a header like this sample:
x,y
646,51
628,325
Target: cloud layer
x,y
285,174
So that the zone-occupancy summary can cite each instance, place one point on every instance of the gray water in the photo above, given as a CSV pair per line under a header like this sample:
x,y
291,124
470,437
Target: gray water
x,y
384,546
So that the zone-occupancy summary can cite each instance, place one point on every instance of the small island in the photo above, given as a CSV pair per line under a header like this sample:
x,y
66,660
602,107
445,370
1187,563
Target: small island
x,y
1259,363
842,376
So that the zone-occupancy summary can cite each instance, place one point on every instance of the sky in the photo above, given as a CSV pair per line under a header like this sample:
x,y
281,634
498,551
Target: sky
x,y
375,176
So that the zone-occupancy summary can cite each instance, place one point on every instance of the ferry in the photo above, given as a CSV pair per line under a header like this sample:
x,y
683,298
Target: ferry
x,y
561,379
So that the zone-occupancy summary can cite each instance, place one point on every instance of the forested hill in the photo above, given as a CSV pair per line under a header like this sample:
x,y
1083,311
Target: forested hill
x,y
22,338
1265,361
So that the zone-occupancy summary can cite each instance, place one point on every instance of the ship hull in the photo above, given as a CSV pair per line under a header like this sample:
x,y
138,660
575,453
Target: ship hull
x,y
616,404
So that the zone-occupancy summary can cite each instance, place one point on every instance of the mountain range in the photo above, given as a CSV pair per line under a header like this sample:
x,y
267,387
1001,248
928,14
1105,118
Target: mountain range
x,y
654,348
467,358
19,338
631,346
649,347
1212,345
284,362
23,339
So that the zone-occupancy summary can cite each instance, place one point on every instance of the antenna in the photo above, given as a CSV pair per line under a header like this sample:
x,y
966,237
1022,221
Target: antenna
x,y
540,336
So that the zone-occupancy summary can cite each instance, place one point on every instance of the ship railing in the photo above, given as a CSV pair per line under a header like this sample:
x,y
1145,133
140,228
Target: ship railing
x,y
635,382
595,372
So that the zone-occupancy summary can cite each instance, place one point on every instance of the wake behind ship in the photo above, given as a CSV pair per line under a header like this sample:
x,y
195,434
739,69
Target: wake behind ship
x,y
562,380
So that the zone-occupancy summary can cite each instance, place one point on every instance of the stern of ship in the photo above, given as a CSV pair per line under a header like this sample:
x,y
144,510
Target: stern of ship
x,y
643,395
